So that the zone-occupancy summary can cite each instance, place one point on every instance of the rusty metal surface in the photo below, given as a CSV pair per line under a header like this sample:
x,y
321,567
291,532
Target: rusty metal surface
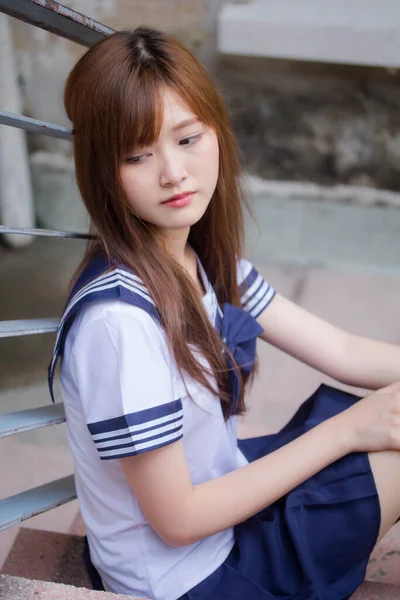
x,y
58,19
45,233
34,125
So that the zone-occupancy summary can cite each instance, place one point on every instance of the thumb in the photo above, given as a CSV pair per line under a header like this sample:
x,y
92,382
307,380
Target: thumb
x,y
393,387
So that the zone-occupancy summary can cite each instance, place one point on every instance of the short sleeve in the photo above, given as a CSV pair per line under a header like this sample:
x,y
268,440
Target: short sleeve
x,y
125,385
255,291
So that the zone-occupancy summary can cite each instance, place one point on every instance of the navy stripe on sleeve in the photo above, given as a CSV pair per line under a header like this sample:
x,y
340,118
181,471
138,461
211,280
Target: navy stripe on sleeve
x,y
255,293
248,282
138,432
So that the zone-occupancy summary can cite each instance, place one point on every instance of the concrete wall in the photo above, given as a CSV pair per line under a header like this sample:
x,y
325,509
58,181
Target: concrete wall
x,y
310,121
301,112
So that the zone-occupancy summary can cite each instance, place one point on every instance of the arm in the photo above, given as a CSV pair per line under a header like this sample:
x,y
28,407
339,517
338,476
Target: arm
x,y
182,514
348,358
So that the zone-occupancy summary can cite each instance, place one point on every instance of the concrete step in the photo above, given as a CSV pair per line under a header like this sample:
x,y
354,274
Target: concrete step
x,y
360,32
56,558
48,565
377,591
19,588
47,556
345,237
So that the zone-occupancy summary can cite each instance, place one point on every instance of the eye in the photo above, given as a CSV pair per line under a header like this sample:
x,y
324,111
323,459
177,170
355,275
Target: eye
x,y
136,159
189,141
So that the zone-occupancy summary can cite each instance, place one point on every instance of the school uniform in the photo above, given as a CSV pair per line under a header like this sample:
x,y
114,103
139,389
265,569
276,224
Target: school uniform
x,y
124,395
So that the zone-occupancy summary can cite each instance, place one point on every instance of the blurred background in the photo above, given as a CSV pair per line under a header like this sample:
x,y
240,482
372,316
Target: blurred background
x,y
313,90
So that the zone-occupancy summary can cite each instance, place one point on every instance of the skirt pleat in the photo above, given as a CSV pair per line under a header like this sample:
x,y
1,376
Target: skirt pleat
x,y
315,542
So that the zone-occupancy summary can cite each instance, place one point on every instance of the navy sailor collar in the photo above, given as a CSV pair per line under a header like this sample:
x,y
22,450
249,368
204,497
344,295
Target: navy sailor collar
x,y
238,330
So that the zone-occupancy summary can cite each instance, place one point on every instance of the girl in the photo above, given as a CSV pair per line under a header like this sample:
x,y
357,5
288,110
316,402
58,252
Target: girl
x,y
158,346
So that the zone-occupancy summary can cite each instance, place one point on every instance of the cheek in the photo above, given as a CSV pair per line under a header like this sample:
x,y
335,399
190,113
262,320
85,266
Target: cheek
x,y
214,158
124,179
215,151
211,157
133,187
128,182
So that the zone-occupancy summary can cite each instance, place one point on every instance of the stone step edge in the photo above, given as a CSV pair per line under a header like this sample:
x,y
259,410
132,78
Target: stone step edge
x,y
298,190
301,30
372,590
19,588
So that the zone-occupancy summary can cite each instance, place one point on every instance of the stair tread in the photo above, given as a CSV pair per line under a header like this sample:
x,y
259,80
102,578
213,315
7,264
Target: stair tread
x,y
19,588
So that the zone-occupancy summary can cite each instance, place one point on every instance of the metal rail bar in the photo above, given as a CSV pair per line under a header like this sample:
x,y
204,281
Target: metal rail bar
x,y
58,19
18,508
27,327
45,233
34,126
34,418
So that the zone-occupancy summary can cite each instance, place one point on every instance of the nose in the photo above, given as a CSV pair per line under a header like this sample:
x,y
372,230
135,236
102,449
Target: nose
x,y
172,170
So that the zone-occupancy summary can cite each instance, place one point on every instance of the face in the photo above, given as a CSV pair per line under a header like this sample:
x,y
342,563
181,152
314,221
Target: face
x,y
170,184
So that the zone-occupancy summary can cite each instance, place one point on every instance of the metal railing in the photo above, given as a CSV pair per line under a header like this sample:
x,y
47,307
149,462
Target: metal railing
x,y
63,21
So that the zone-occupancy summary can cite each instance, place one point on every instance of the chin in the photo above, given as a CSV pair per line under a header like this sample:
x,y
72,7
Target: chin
x,y
184,220
179,224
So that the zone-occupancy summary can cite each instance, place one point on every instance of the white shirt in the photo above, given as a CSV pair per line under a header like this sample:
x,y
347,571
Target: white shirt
x,y
123,395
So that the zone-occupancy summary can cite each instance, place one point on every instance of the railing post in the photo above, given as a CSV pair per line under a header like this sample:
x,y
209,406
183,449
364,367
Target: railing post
x,y
16,202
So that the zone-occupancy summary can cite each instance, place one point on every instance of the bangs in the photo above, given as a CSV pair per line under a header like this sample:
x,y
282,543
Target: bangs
x,y
141,110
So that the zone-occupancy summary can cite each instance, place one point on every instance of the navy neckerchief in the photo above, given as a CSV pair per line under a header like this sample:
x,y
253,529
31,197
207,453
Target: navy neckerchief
x,y
101,281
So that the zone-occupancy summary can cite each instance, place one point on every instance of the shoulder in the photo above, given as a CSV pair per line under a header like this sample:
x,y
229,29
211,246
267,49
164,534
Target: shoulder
x,y
116,325
98,282
113,311
243,269
115,296
255,291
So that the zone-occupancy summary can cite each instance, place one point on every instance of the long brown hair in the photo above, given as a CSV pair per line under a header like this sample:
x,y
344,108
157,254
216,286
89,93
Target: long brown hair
x,y
113,98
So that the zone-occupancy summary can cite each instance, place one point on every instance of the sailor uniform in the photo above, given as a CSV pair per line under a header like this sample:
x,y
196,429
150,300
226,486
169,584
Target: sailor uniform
x,y
124,395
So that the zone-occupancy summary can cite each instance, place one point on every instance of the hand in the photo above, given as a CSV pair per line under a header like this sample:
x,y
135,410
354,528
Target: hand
x,y
373,423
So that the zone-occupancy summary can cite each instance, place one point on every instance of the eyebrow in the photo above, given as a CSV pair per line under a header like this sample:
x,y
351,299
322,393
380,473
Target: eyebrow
x,y
186,123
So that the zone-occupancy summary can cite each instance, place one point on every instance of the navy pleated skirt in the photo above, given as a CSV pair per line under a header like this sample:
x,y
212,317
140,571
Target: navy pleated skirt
x,y
312,544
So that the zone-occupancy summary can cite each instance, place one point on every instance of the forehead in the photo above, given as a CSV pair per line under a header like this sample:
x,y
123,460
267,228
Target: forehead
x,y
174,109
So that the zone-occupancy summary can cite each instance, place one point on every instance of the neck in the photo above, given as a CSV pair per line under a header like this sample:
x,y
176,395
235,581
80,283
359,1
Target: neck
x,y
175,242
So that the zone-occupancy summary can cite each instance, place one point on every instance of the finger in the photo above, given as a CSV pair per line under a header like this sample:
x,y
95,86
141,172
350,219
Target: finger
x,y
393,387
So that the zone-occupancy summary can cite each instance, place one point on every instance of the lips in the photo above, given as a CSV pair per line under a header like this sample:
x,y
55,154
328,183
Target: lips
x,y
177,197
179,200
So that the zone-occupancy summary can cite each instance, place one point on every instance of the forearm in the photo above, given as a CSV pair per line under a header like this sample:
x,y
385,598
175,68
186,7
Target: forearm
x,y
226,501
369,364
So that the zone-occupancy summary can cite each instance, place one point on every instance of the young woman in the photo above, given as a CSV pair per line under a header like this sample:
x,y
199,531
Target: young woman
x,y
158,345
